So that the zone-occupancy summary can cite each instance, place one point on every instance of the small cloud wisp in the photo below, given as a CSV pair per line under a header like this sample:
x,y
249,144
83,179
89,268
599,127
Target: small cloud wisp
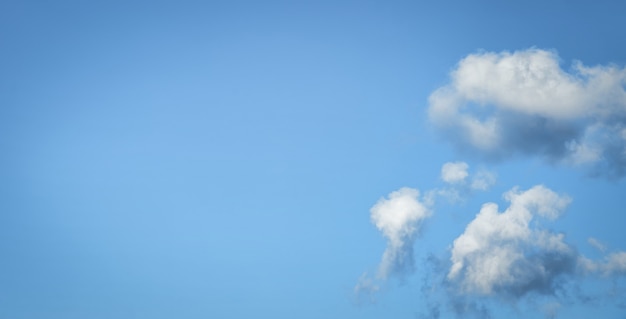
x,y
460,183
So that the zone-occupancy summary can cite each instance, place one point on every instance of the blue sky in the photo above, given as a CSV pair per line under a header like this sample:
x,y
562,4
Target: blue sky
x,y
239,159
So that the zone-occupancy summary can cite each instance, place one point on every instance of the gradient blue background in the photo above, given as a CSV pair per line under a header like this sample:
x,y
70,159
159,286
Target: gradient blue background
x,y
209,159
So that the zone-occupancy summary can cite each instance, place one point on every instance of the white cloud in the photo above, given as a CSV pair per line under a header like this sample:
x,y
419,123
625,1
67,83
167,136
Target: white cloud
x,y
501,252
454,172
398,217
505,104
508,254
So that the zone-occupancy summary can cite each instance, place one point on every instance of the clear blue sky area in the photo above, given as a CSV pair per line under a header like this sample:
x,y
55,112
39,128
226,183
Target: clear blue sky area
x,y
219,159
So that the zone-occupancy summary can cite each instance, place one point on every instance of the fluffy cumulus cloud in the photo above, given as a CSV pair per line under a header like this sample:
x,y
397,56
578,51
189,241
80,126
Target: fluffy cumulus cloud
x,y
508,254
524,103
398,217
500,252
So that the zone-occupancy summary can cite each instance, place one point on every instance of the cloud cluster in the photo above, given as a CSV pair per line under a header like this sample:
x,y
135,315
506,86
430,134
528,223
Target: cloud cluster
x,y
398,217
500,252
498,106
460,183
523,103
456,173
500,256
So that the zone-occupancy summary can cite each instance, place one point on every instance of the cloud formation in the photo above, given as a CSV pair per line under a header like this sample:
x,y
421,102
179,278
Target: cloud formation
x,y
507,104
398,217
499,106
500,252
